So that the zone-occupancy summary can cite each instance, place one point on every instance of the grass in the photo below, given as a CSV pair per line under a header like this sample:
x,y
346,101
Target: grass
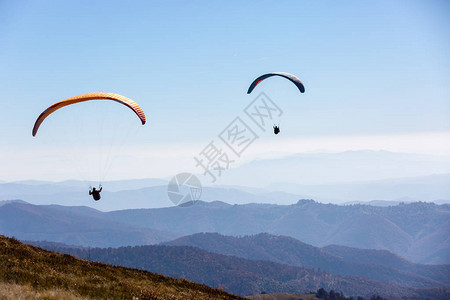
x,y
283,296
28,272
20,292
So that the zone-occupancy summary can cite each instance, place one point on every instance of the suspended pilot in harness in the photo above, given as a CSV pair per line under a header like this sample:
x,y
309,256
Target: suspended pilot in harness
x,y
95,193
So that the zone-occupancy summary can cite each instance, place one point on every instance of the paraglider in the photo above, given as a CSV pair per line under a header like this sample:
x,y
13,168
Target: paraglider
x,y
290,77
88,97
276,129
95,193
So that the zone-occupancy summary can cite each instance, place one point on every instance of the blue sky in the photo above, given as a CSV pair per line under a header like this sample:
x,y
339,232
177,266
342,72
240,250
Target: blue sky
x,y
370,68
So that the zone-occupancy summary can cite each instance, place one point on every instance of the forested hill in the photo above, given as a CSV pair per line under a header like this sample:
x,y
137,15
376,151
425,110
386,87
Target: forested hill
x,y
381,265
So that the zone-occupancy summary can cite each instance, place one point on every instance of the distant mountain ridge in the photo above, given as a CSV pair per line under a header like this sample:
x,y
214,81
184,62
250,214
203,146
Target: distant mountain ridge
x,y
352,176
424,188
72,225
338,167
74,193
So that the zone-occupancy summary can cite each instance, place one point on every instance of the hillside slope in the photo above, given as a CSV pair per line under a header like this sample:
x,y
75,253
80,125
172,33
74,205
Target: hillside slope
x,y
27,270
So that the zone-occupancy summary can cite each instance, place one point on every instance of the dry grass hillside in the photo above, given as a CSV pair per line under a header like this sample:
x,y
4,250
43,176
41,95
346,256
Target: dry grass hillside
x,y
28,272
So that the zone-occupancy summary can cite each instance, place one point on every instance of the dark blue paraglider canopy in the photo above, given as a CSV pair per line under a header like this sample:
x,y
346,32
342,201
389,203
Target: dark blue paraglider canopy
x,y
288,76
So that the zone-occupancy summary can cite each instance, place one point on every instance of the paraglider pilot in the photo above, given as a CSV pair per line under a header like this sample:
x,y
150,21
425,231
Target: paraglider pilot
x,y
276,129
95,193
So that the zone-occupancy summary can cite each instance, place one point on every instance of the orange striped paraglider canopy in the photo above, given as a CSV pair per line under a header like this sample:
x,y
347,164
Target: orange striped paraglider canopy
x,y
87,97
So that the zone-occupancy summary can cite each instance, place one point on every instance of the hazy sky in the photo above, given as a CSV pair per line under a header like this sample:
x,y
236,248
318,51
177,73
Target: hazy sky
x,y
377,76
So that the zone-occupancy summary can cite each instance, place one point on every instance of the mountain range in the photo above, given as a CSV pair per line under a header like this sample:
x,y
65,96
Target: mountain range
x,y
417,231
152,193
352,176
